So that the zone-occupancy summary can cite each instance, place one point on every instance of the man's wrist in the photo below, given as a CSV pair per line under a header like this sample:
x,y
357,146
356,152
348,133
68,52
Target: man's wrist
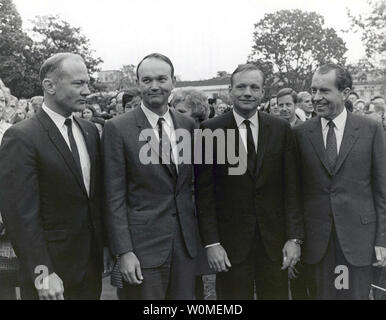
x,y
212,245
297,241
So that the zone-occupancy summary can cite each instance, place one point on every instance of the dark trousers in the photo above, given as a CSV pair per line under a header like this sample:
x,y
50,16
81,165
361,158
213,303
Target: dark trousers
x,y
359,278
256,272
303,287
7,292
174,280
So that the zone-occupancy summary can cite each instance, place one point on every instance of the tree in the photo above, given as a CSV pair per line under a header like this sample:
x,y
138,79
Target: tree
x,y
373,27
128,77
294,43
16,54
55,35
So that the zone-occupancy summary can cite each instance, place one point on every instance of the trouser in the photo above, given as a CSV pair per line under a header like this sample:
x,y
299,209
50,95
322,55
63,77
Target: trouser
x,y
332,282
174,280
258,272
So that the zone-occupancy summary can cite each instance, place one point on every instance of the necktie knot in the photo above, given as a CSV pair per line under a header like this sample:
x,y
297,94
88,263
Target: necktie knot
x,y
331,124
68,122
160,121
247,123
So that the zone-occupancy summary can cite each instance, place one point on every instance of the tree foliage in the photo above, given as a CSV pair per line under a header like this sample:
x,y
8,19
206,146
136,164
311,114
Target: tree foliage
x,y
372,25
292,43
21,56
55,35
15,51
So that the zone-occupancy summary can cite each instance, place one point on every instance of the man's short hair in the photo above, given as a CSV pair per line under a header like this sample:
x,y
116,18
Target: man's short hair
x,y
343,78
379,97
158,56
303,95
354,93
54,63
288,92
247,67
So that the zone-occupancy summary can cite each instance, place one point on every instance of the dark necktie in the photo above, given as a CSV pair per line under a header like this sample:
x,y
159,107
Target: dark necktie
x,y
165,147
251,150
331,145
74,148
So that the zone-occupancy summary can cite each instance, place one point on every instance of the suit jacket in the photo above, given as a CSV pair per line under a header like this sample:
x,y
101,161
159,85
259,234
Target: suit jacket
x,y
231,207
352,196
49,217
143,200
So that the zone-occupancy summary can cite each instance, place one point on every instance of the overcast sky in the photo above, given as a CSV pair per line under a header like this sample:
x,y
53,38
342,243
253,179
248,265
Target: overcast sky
x,y
200,36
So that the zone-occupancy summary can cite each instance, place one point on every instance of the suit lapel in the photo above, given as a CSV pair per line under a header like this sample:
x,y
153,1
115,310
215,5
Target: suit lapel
x,y
350,136
61,145
90,144
264,134
316,138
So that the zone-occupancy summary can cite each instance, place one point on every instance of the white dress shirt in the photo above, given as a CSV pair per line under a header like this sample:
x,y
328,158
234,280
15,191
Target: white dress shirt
x,y
85,163
254,123
152,117
254,120
340,123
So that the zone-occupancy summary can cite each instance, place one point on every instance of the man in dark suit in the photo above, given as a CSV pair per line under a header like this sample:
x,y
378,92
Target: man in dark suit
x,y
51,195
250,222
343,176
151,216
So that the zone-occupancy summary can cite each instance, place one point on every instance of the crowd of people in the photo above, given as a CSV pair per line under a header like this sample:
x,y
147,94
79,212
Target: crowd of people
x,y
76,199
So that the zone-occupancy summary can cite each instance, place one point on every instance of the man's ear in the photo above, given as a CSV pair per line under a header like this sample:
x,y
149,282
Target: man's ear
x,y
49,86
174,81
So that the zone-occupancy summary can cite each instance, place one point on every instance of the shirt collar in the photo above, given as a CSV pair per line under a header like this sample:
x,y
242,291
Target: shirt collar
x,y
339,121
57,118
153,117
239,119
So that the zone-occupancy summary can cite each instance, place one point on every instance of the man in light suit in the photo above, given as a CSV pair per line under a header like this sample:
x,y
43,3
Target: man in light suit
x,y
151,217
51,191
343,176
250,222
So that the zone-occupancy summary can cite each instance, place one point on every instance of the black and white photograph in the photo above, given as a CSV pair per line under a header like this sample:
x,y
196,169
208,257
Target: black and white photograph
x,y
210,151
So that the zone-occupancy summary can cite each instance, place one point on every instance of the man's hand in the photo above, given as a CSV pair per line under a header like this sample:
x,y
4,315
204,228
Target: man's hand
x,y
108,261
380,254
291,254
131,268
218,258
52,288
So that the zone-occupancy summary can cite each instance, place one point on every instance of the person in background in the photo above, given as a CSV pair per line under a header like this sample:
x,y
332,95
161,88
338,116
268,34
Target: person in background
x,y
34,105
359,106
7,255
192,103
131,99
273,107
305,110
286,101
20,115
353,96
90,114
3,106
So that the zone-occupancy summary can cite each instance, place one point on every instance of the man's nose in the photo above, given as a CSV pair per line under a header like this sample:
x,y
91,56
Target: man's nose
x,y
86,90
154,85
247,92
